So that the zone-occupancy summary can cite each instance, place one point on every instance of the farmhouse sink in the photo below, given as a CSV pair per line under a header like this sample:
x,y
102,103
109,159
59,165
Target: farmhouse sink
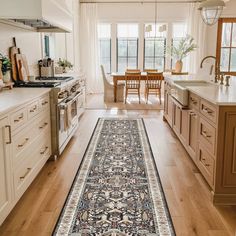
x,y
180,90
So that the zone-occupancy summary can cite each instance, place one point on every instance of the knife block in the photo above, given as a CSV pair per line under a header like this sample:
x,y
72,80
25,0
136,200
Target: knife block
x,y
46,71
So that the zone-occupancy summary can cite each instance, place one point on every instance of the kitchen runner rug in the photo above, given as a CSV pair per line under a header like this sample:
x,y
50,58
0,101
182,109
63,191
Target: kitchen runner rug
x,y
117,189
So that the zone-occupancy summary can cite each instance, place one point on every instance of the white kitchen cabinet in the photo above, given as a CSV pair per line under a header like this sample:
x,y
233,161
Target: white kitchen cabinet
x,y
5,169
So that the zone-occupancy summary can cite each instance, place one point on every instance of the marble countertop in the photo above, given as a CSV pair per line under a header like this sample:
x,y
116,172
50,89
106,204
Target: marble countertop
x,y
11,99
216,94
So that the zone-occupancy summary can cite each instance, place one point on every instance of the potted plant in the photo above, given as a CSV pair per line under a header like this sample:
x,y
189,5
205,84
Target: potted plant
x,y
181,50
6,68
65,64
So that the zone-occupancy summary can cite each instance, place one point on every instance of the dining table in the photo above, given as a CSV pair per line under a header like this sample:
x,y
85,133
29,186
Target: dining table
x,y
120,76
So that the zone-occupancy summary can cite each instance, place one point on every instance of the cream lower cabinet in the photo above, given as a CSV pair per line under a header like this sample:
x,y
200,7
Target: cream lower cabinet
x,y
25,146
5,169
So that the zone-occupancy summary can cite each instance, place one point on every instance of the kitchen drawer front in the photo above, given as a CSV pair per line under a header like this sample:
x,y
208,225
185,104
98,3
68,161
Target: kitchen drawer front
x,y
23,140
25,172
208,110
33,109
194,101
206,164
18,118
44,103
207,135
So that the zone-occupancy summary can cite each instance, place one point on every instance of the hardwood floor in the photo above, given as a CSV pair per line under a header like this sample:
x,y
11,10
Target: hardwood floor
x,y
186,192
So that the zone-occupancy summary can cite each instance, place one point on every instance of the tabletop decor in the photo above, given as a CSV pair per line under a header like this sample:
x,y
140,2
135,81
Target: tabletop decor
x,y
65,65
5,68
181,50
117,189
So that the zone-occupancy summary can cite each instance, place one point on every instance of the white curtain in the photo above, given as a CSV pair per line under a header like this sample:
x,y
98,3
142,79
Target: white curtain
x,y
197,29
89,47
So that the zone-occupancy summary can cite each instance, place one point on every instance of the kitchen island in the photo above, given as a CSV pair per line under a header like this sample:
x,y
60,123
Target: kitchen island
x,y
25,141
206,126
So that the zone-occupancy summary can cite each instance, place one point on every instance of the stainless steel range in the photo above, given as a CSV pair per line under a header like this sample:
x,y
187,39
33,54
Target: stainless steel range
x,y
67,105
67,100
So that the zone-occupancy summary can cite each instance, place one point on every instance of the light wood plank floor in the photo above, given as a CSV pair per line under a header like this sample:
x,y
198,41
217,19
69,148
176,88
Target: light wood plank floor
x,y
186,191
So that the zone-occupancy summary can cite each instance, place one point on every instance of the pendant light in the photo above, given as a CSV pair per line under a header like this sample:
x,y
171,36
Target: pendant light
x,y
211,10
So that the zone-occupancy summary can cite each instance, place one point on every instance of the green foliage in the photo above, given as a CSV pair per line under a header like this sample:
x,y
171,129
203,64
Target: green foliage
x,y
184,47
64,63
6,64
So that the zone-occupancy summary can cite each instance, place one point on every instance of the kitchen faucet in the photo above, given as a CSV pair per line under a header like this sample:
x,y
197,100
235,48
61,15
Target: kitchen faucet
x,y
217,67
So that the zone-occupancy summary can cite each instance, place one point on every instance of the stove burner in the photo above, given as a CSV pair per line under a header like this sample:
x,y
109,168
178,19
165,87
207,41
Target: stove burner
x,y
36,84
60,78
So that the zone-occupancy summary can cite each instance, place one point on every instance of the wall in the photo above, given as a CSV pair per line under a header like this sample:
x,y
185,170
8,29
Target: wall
x,y
29,42
229,11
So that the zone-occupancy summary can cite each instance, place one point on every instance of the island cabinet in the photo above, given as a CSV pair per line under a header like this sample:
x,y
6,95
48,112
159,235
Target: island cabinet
x,y
25,146
208,133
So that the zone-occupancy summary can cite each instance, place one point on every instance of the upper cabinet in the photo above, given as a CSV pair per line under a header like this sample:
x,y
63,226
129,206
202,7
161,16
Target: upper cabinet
x,y
41,15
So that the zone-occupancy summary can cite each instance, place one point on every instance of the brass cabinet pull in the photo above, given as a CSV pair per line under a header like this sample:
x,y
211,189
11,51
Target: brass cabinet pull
x,y
34,109
193,100
23,144
204,133
9,130
44,103
44,125
26,173
43,152
206,110
193,114
207,165
18,119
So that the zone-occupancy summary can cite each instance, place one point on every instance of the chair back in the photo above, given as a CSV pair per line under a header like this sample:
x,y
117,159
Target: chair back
x,y
133,70
105,82
154,80
150,70
132,80
179,73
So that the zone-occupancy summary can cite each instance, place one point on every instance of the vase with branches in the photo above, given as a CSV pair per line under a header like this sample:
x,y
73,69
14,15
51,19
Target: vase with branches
x,y
181,50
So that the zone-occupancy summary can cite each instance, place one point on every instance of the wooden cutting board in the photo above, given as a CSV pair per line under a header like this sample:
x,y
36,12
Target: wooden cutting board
x,y
12,54
22,67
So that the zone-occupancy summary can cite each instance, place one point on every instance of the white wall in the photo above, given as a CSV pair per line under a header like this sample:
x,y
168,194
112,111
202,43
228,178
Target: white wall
x,y
229,11
29,42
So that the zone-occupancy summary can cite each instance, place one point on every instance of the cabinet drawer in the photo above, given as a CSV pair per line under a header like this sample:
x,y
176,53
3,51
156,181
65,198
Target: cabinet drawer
x,y
18,118
194,101
207,134
22,142
25,172
208,110
206,164
44,103
33,109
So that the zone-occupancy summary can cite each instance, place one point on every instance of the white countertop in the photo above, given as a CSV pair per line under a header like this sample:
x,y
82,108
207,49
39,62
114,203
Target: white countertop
x,y
10,99
218,94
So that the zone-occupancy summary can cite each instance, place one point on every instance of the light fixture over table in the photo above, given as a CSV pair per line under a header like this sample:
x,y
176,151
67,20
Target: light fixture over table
x,y
211,10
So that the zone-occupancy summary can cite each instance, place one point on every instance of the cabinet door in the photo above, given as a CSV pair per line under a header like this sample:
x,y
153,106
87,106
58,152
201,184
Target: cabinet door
x,y
5,175
176,118
193,134
184,126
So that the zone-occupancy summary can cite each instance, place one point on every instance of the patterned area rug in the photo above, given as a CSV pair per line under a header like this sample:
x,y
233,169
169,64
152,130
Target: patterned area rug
x,y
117,189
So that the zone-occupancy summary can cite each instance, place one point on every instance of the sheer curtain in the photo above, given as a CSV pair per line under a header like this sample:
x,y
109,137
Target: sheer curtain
x,y
89,47
197,29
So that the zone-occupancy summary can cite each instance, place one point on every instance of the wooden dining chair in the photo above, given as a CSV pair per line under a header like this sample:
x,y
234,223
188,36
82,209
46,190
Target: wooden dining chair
x,y
179,73
150,70
133,70
132,84
153,84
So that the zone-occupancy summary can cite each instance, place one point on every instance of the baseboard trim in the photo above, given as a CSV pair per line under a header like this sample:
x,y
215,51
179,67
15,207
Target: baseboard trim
x,y
224,199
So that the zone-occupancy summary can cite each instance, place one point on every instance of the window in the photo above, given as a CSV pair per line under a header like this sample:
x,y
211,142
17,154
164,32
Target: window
x,y
155,46
127,46
179,31
226,45
104,37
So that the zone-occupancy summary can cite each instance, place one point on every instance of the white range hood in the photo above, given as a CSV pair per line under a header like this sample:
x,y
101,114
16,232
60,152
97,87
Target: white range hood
x,y
40,15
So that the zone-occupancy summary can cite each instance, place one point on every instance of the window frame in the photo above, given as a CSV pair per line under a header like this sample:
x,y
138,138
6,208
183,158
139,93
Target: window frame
x,y
100,39
154,57
221,21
